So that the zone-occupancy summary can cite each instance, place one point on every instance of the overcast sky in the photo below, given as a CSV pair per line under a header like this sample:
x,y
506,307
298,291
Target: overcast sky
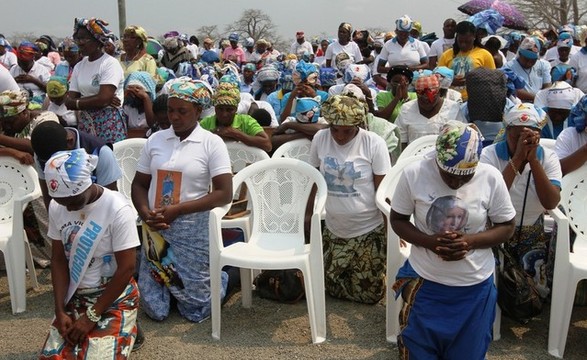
x,y
55,17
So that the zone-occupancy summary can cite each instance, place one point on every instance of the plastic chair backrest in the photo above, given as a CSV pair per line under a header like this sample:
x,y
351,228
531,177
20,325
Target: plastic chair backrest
x,y
127,153
242,155
16,180
295,149
420,146
574,203
280,189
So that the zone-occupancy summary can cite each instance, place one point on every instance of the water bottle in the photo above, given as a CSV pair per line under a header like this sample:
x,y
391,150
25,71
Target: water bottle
x,y
107,268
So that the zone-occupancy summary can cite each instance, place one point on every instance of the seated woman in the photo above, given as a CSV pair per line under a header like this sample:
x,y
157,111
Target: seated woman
x,y
390,102
139,94
305,78
94,239
182,174
229,125
571,144
353,162
533,175
447,281
30,75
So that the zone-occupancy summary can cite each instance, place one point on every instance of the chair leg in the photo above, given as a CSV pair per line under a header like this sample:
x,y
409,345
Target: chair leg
x,y
30,262
215,289
246,288
497,324
16,272
561,307
316,302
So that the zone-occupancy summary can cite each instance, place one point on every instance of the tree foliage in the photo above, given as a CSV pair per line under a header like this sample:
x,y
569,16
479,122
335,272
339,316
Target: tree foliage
x,y
254,23
552,13
208,31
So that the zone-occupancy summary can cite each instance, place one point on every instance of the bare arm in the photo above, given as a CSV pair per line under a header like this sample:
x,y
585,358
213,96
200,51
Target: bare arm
x,y
105,97
574,161
16,143
260,140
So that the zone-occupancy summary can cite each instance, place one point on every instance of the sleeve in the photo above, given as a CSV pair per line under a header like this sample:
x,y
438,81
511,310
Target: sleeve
x,y
251,126
44,74
501,208
208,123
488,60
380,101
107,169
144,163
422,50
242,57
546,78
111,72
151,67
73,83
124,230
218,160
52,227
552,167
564,145
435,49
401,124
380,163
445,59
402,201
384,54
314,160
357,52
329,51
489,156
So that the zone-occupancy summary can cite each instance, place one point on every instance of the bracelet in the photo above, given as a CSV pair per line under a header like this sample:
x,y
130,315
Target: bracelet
x,y
91,314
77,104
516,172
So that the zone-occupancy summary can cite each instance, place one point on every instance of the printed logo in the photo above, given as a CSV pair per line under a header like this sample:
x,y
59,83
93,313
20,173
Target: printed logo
x,y
53,185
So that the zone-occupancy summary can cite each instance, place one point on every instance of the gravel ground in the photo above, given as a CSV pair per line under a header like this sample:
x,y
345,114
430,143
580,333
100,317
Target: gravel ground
x,y
271,330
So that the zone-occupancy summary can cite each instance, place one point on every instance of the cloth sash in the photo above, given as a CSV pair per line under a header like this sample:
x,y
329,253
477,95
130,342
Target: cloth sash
x,y
85,242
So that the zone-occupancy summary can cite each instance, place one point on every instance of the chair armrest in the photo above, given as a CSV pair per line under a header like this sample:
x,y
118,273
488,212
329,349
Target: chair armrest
x,y
215,228
563,245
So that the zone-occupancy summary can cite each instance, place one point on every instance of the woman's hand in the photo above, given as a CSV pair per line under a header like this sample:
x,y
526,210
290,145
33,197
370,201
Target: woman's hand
x,y
227,132
78,332
24,78
63,322
452,246
401,92
169,213
155,219
527,145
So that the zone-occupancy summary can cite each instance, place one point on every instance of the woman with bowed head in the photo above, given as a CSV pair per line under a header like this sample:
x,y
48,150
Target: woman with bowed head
x,y
403,49
447,282
96,84
94,237
171,192
353,162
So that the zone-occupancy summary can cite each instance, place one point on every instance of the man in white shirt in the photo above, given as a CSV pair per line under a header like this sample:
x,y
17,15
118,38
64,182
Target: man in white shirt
x,y
301,46
444,43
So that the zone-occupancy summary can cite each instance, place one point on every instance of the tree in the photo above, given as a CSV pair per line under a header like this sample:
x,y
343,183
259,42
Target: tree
x,y
551,13
254,23
207,31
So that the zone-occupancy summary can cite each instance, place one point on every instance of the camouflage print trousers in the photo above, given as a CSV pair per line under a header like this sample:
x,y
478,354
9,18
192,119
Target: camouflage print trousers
x,y
355,268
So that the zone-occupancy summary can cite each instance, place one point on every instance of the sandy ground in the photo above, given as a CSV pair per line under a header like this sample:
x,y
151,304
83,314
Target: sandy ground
x,y
271,330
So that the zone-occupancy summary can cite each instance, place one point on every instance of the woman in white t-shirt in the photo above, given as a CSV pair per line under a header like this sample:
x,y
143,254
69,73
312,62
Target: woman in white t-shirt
x,y
182,174
403,49
94,236
343,44
353,162
96,84
447,282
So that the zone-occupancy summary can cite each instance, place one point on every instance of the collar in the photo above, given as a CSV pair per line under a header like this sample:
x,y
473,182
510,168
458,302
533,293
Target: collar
x,y
410,39
501,149
195,136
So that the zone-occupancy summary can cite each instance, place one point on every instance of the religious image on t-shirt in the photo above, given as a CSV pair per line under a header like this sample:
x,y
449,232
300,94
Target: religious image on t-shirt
x,y
69,231
168,187
340,178
160,259
461,66
447,213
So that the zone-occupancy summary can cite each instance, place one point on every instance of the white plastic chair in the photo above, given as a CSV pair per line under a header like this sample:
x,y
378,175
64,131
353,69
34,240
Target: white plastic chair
x,y
127,153
295,149
19,185
420,146
397,255
280,189
242,155
569,267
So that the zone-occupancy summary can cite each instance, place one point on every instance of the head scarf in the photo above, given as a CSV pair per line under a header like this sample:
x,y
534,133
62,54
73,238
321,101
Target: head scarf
x,y
529,48
171,43
193,91
26,51
513,81
57,86
445,76
327,76
49,41
138,31
578,113
210,57
227,94
416,25
171,33
361,71
69,173
42,46
344,110
458,148
96,27
429,85
13,102
305,72
249,67
489,19
233,37
144,80
249,42
341,61
563,72
69,45
565,40
354,91
404,23
401,70
307,109
286,80
230,78
346,26
560,95
268,73
525,114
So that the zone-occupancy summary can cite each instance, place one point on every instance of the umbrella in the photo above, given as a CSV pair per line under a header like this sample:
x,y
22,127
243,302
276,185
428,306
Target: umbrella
x,y
513,17
153,47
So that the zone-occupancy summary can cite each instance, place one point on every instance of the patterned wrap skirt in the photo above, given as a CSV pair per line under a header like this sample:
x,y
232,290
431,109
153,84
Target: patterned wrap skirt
x,y
112,337
108,124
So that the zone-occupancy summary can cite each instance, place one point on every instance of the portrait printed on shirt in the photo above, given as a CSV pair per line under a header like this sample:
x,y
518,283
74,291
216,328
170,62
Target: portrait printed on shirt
x,y
340,178
447,213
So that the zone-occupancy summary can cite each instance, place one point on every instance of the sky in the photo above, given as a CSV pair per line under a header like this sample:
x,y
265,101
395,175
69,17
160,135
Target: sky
x,y
314,17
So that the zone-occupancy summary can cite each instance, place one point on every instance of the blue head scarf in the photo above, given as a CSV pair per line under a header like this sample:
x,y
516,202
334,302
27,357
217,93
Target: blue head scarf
x,y
489,19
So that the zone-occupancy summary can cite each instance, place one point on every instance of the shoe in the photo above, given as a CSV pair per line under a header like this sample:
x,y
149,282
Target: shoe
x,y
140,339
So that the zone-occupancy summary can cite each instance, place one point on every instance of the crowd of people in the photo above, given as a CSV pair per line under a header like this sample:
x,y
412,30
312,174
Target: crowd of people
x,y
361,99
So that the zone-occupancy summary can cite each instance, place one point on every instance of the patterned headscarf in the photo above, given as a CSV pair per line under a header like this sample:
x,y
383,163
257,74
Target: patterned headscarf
x,y
26,51
171,43
327,76
96,27
13,102
305,72
341,61
361,71
138,31
69,45
404,23
227,94
560,95
344,110
69,173
57,86
230,78
193,91
525,114
307,109
268,73
445,76
578,113
144,80
346,26
428,85
458,148
489,19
